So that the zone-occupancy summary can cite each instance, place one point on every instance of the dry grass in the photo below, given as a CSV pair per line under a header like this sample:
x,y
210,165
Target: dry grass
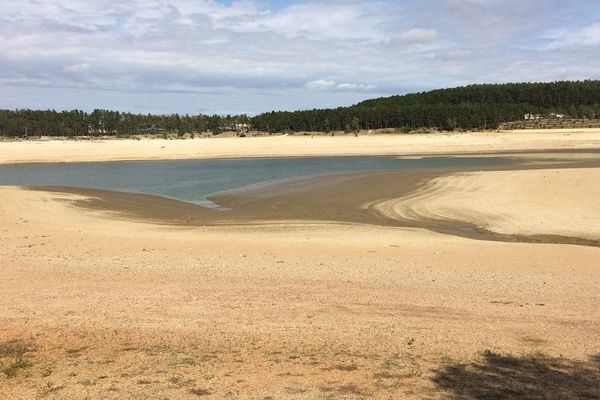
x,y
200,392
12,358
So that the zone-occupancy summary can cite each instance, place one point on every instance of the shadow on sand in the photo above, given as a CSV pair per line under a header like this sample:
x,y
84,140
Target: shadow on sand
x,y
501,377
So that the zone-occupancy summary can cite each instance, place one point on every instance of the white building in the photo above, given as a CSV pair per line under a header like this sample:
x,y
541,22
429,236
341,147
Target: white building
x,y
532,117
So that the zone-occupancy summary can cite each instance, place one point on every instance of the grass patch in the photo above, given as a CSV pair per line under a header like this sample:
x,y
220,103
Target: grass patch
x,y
12,358
14,367
13,349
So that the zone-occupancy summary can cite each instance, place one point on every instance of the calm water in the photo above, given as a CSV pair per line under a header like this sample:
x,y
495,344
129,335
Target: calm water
x,y
194,180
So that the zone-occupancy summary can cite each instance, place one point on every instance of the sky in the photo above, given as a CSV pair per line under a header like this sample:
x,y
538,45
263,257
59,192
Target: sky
x,y
252,56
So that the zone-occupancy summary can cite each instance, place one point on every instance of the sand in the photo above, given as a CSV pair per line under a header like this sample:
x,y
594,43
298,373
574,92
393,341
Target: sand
x,y
203,148
421,285
528,193
528,202
100,301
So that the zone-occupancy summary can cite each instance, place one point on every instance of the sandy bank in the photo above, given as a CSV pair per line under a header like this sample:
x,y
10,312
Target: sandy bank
x,y
534,199
280,146
527,202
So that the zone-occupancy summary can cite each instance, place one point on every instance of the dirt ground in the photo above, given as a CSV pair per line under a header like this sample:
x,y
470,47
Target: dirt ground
x,y
95,305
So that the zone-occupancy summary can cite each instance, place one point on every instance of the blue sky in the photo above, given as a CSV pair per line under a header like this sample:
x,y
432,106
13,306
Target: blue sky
x,y
250,56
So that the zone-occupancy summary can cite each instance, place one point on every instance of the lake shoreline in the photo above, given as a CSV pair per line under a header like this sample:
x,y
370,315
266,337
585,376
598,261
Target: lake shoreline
x,y
355,277
329,198
57,151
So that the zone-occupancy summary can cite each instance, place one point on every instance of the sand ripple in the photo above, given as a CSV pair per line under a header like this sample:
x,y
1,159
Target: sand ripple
x,y
529,202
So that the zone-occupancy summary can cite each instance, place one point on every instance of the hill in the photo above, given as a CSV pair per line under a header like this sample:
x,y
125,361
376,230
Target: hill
x,y
475,107
470,107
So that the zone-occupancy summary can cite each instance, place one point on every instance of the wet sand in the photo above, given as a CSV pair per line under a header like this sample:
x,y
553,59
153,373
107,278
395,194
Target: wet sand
x,y
387,198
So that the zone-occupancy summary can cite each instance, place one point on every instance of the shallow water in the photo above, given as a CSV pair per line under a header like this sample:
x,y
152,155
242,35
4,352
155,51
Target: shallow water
x,y
194,180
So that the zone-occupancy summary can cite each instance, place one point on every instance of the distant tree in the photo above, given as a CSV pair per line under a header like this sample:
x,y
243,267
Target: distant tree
x,y
355,125
451,124
326,126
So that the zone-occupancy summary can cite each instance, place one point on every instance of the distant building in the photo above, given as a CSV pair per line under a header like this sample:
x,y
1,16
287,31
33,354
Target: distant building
x,y
532,117
236,127
242,127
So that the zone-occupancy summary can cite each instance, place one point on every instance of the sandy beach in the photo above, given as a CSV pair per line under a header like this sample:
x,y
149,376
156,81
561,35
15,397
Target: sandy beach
x,y
366,292
299,200
285,146
530,202
119,309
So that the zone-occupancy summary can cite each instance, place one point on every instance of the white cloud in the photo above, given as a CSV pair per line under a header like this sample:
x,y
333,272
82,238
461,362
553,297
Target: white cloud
x,y
209,51
354,86
319,20
320,84
588,36
418,36
78,67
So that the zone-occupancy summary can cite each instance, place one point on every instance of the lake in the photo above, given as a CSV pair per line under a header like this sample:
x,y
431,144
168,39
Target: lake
x,y
194,180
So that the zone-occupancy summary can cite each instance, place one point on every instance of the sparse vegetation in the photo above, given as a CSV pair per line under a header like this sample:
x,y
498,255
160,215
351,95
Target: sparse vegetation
x,y
200,392
346,367
49,388
12,368
385,375
348,389
13,349
12,358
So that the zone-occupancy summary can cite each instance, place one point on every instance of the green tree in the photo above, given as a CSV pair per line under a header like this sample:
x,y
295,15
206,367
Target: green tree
x,y
355,125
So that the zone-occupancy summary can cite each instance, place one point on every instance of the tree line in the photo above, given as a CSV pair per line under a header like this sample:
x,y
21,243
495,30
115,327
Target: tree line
x,y
469,107
110,123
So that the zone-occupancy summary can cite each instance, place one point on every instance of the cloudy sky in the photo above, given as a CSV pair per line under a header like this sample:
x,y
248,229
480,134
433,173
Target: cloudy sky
x,y
250,56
